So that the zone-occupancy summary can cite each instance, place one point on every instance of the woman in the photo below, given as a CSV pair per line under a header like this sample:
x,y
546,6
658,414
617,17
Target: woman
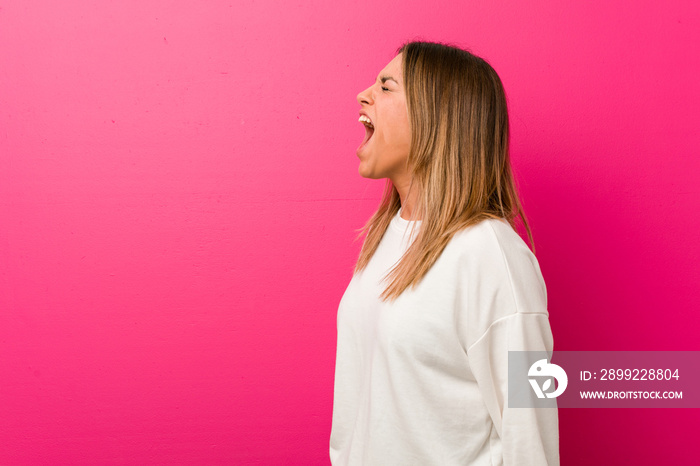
x,y
444,287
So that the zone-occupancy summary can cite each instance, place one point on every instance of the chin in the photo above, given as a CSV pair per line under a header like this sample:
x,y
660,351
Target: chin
x,y
365,174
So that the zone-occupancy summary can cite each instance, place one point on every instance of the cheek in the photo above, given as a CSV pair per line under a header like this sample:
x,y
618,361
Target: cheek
x,y
406,132
405,124
396,129
401,129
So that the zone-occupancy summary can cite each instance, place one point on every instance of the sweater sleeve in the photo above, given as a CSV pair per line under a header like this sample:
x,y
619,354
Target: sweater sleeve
x,y
529,436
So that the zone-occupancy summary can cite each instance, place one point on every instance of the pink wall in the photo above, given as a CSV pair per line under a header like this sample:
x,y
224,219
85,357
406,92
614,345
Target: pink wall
x,y
179,193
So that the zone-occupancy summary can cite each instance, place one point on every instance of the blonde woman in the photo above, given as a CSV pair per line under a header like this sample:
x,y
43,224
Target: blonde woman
x,y
444,287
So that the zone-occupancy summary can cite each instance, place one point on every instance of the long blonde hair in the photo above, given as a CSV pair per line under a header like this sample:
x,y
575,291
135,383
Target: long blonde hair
x,y
459,158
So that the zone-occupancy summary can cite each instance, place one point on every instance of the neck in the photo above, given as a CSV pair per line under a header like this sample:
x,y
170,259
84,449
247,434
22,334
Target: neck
x,y
407,196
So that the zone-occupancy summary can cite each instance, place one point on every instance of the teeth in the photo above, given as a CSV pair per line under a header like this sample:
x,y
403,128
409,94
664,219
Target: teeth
x,y
363,119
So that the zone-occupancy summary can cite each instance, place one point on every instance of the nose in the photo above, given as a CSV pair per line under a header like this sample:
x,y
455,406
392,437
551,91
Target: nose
x,y
365,97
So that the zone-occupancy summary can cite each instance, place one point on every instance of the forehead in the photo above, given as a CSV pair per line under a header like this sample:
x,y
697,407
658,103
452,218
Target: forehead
x,y
393,69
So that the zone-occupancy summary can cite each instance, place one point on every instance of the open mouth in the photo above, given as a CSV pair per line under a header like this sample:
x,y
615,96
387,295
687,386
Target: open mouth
x,y
369,129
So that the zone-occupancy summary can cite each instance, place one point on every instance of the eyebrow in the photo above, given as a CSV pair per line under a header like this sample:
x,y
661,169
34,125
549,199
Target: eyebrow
x,y
384,79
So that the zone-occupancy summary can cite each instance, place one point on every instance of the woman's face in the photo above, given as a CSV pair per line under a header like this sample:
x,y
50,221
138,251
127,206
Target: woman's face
x,y
384,151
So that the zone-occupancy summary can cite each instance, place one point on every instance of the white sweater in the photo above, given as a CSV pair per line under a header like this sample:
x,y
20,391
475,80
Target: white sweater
x,y
423,380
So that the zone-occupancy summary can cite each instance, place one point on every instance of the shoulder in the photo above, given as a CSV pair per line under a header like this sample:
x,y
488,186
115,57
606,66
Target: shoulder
x,y
493,255
490,238
498,280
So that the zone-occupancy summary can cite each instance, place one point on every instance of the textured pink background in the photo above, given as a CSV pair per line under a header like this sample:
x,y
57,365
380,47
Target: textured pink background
x,y
179,193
